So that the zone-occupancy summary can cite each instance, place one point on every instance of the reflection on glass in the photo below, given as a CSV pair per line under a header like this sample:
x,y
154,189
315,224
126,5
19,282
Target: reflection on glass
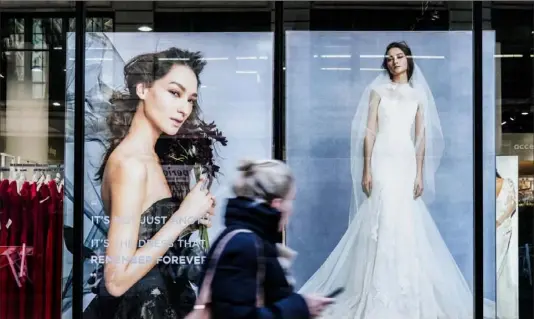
x,y
246,90
378,164
31,189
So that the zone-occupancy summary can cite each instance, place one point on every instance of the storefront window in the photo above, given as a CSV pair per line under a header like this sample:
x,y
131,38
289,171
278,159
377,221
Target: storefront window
x,y
514,125
375,105
210,94
33,262
374,119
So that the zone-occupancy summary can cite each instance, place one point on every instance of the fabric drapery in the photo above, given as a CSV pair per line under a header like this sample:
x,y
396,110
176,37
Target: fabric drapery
x,y
31,215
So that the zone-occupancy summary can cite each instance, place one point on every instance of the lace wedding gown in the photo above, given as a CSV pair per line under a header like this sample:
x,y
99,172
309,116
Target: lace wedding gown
x,y
507,257
392,259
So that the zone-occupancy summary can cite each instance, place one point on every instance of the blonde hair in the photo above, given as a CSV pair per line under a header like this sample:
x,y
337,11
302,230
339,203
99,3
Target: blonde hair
x,y
264,179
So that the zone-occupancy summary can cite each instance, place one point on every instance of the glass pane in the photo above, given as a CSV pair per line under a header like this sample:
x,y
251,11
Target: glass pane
x,y
72,25
20,73
90,25
19,58
246,90
514,139
385,210
37,74
38,91
98,27
108,25
58,24
15,38
37,26
31,226
38,41
18,26
37,66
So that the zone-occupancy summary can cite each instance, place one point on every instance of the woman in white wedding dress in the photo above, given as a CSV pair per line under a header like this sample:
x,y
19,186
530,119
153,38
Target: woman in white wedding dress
x,y
392,260
507,249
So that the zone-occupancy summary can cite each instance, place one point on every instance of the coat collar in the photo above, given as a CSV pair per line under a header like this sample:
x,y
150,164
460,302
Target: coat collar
x,y
242,212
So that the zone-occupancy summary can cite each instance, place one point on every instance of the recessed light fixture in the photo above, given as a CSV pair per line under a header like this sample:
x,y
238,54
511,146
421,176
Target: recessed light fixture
x,y
524,113
144,28
56,104
503,123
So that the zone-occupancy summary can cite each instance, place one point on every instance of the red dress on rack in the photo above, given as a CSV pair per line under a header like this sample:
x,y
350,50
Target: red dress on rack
x,y
58,256
38,272
4,240
25,238
14,240
50,262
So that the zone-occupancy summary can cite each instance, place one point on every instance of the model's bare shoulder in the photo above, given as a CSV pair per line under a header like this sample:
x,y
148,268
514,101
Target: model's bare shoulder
x,y
126,168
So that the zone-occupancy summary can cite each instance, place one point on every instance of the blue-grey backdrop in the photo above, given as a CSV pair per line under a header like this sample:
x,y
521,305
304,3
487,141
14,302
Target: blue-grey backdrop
x,y
323,70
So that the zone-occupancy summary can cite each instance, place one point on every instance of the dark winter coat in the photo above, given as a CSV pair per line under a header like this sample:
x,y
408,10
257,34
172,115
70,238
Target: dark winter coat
x,y
235,281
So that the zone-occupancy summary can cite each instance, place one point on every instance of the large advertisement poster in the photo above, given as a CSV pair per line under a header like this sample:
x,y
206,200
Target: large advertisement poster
x,y
379,133
163,110
507,244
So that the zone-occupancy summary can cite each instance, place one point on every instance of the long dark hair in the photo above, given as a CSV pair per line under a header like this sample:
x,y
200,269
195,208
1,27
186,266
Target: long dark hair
x,y
403,46
145,69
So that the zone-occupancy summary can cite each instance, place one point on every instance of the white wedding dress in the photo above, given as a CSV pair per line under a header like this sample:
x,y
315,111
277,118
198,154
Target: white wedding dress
x,y
392,260
507,256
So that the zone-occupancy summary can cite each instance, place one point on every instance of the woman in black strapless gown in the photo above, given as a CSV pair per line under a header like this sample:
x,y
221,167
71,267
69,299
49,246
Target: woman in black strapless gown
x,y
165,292
162,98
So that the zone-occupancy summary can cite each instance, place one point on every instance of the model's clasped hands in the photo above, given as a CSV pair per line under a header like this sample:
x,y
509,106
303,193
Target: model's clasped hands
x,y
199,204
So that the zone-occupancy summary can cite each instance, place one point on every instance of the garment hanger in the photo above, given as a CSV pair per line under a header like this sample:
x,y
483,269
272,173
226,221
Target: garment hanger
x,y
12,174
60,183
20,181
48,178
57,180
40,181
36,175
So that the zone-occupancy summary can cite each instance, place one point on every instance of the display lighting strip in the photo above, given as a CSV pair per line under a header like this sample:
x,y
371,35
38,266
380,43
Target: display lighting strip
x,y
336,69
375,56
505,56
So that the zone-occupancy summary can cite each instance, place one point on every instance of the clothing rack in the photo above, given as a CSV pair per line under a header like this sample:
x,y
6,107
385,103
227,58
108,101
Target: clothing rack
x,y
39,173
8,160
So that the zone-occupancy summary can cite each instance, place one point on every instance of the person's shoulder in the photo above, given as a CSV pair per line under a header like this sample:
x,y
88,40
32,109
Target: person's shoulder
x,y
125,167
241,243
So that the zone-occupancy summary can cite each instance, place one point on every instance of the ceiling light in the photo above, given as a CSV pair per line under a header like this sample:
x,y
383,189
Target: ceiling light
x,y
511,118
524,113
144,28
56,104
503,123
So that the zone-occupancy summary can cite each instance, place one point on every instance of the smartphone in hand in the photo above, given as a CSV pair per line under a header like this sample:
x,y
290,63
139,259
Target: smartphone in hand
x,y
335,293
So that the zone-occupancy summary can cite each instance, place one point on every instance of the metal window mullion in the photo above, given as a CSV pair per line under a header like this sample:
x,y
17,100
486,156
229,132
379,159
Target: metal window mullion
x,y
79,169
478,170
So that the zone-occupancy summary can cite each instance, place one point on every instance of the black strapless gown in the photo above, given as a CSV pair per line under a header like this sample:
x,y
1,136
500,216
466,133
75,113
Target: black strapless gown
x,y
163,293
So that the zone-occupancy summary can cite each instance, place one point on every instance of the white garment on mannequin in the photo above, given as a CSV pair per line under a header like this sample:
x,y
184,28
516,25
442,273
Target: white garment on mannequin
x,y
507,256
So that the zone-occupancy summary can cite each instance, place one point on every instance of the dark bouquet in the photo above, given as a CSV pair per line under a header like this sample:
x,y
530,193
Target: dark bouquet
x,y
194,148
